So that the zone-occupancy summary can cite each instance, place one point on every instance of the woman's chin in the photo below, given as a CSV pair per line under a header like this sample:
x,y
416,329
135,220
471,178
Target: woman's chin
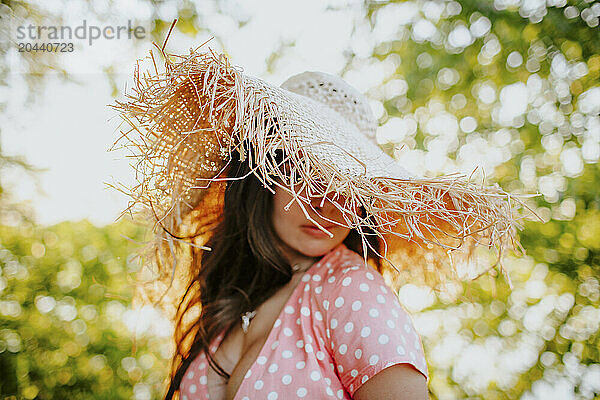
x,y
312,247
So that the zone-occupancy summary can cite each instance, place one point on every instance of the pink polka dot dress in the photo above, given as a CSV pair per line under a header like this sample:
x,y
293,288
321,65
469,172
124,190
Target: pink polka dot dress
x,y
341,326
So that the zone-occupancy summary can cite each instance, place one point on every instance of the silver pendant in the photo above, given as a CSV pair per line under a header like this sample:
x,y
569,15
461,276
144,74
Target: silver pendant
x,y
246,320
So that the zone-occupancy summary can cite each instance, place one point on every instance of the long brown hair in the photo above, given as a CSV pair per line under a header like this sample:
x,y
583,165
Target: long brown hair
x,y
244,268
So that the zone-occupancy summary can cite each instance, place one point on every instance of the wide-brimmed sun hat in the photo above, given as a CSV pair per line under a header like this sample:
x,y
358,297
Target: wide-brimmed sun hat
x,y
184,122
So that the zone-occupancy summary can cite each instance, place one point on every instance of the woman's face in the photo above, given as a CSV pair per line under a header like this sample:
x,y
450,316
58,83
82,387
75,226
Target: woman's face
x,y
299,237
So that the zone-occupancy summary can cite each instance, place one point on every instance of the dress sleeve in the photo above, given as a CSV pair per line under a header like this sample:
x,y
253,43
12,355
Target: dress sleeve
x,y
367,328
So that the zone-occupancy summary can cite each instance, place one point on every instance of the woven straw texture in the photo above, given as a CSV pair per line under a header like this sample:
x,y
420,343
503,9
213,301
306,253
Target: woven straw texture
x,y
182,123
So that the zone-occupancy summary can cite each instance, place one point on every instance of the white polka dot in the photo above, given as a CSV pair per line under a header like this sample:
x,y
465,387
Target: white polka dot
x,y
272,396
273,368
380,299
370,276
277,322
354,268
373,312
286,379
315,375
261,360
286,354
340,393
301,392
305,311
329,391
306,278
327,381
288,332
412,356
328,265
346,281
193,389
289,309
363,287
258,384
308,348
248,373
274,345
298,321
383,339
300,365
343,348
348,327
203,379
364,378
356,305
299,300
184,397
331,279
318,316
307,287
328,332
243,398
190,375
383,288
326,304
339,302
373,359
354,373
358,354
320,355
318,289
300,343
316,278
202,365
333,323
407,327
310,339
391,324
365,331
394,312
340,368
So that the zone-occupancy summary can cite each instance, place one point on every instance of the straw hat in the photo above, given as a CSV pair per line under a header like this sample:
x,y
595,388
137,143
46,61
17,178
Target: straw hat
x,y
183,123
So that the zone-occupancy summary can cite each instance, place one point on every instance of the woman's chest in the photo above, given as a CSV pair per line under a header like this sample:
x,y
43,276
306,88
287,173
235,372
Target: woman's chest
x,y
289,360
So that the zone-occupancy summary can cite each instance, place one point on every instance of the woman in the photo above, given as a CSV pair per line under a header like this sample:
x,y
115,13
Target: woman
x,y
293,214
341,352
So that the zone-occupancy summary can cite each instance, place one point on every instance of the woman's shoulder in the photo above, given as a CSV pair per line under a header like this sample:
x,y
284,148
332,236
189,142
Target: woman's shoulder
x,y
366,327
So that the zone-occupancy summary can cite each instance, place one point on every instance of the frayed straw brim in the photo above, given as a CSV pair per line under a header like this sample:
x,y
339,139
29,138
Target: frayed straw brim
x,y
184,122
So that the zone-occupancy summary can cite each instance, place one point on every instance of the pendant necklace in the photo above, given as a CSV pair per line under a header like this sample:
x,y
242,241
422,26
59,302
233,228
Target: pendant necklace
x,y
248,315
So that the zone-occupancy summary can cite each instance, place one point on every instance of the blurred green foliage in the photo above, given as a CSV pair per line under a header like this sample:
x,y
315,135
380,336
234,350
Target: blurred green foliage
x,y
65,298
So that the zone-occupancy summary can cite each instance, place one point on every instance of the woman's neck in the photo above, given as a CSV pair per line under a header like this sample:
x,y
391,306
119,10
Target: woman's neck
x,y
299,262
303,265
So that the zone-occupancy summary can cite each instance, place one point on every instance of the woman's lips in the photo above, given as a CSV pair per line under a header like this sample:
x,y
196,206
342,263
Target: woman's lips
x,y
312,230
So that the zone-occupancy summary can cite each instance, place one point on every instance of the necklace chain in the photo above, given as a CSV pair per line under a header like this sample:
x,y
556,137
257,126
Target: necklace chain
x,y
248,315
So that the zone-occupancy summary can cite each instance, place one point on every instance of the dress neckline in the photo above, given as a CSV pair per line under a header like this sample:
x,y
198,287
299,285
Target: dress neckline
x,y
267,343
